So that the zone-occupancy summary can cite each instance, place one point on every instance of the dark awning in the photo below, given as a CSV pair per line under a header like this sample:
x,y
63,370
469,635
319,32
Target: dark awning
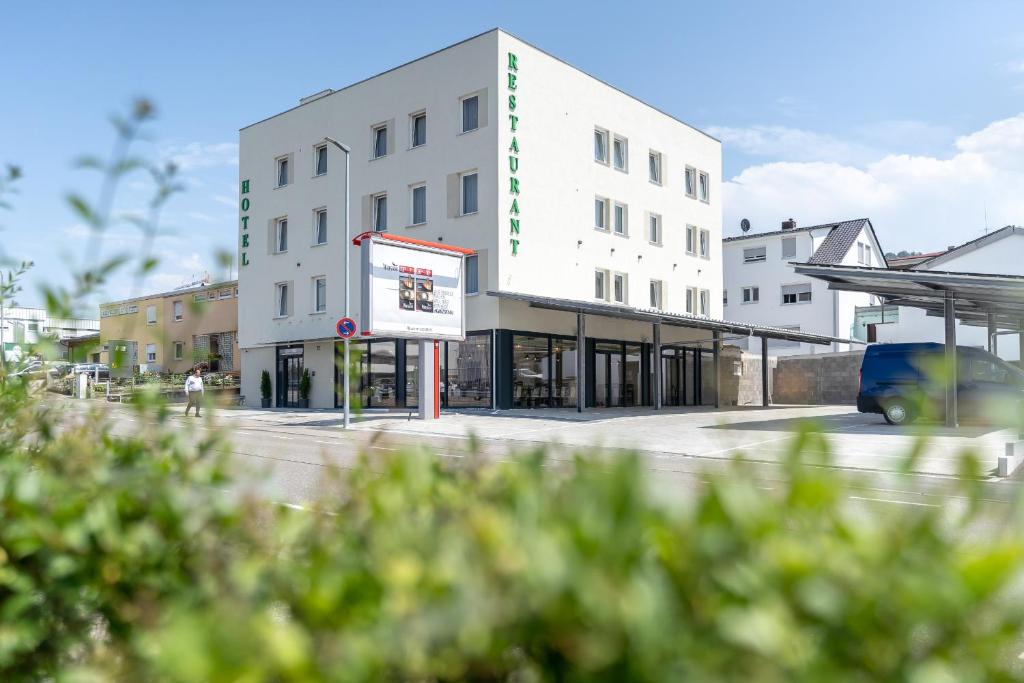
x,y
653,315
976,295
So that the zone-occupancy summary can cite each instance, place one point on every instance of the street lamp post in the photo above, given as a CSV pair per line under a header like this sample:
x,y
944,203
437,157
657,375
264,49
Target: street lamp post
x,y
348,275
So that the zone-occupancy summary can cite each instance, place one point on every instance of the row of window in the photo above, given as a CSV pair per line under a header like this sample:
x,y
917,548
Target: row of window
x,y
698,301
696,183
179,305
468,204
381,138
759,254
789,294
698,241
284,307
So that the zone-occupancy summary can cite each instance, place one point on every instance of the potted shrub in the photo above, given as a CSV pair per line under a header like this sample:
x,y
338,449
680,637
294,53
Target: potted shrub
x,y
304,388
265,389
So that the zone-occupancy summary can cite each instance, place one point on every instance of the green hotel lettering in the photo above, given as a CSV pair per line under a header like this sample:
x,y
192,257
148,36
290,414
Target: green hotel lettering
x,y
245,223
513,153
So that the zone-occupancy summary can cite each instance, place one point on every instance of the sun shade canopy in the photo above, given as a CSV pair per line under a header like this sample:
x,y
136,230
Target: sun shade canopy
x,y
653,315
975,295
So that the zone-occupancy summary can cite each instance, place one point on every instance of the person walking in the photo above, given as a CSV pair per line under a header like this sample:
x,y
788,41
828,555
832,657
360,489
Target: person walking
x,y
194,391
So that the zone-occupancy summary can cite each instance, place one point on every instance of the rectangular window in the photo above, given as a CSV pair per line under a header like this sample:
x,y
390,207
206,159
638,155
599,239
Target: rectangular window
x,y
621,219
179,310
691,299
751,295
654,228
150,353
601,213
282,171
754,255
705,244
470,113
725,297
654,167
656,288
320,226
601,145
788,247
620,153
691,182
619,292
281,300
419,205
796,294
705,302
867,254
319,294
691,240
419,129
704,186
224,294
281,238
179,350
473,274
380,141
601,285
469,193
151,315
320,160
380,212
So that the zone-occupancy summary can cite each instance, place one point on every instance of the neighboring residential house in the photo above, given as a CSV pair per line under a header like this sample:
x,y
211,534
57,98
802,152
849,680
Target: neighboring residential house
x,y
761,287
174,331
998,253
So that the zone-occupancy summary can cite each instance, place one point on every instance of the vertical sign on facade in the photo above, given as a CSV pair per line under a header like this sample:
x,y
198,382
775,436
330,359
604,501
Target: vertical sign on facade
x,y
245,222
513,153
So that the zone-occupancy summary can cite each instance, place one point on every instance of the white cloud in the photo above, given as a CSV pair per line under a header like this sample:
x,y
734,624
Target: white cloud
x,y
791,144
914,201
195,155
1015,67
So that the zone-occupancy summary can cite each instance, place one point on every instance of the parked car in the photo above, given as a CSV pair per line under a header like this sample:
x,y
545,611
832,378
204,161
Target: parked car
x,y
33,368
899,380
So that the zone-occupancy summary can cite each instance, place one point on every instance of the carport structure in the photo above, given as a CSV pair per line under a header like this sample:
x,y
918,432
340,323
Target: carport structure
x,y
995,301
720,330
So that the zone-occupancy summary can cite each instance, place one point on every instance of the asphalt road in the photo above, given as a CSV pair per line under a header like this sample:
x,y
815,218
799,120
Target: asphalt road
x,y
291,458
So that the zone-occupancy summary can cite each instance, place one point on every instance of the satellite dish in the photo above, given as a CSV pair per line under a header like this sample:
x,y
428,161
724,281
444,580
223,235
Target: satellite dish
x,y
745,225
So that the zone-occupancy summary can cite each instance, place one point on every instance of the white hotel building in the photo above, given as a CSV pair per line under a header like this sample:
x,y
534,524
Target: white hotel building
x,y
567,188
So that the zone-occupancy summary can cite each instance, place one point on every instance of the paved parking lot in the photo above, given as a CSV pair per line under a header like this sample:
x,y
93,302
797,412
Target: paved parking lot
x,y
288,453
857,441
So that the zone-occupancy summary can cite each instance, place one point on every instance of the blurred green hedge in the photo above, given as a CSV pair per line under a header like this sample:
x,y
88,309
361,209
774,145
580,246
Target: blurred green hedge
x,y
122,558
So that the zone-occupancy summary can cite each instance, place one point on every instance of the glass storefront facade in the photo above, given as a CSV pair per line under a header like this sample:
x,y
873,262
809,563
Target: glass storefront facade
x,y
388,372
533,370
543,371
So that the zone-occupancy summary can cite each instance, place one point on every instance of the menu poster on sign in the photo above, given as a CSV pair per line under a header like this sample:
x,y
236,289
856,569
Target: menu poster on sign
x,y
412,292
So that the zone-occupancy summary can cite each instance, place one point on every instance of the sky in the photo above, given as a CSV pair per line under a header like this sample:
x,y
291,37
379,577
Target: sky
x,y
909,113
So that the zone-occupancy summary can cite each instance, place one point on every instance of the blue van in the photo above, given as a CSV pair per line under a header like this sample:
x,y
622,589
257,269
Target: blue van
x,y
897,381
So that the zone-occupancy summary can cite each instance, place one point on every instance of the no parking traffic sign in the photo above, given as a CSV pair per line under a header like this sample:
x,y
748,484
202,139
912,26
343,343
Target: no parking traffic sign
x,y
345,328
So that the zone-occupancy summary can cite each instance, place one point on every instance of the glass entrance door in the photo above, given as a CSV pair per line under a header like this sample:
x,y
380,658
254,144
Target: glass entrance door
x,y
681,376
289,375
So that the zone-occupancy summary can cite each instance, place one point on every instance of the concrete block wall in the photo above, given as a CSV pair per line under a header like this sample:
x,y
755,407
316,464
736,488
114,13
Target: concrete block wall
x,y
741,376
819,379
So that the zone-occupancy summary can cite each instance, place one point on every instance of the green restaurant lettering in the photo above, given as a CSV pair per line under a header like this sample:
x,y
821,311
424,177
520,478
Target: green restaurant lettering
x,y
245,222
513,153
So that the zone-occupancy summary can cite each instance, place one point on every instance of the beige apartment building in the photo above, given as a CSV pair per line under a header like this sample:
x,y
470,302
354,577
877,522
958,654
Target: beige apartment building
x,y
174,331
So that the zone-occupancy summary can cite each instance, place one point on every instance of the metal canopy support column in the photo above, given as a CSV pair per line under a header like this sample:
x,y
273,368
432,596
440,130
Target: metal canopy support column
x,y
764,372
657,366
991,346
949,313
716,351
581,360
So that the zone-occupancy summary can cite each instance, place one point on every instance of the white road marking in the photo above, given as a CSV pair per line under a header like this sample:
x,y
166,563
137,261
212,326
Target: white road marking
x,y
894,502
